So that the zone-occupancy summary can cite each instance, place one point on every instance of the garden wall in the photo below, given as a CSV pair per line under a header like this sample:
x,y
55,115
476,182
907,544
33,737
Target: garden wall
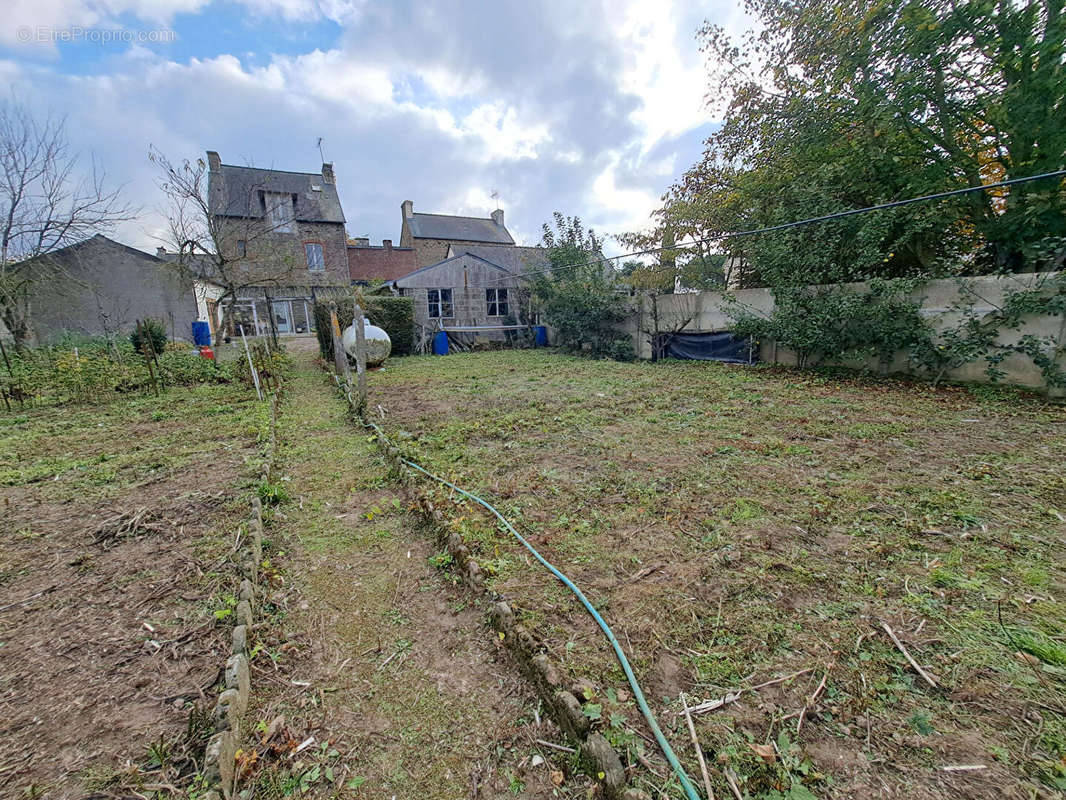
x,y
943,302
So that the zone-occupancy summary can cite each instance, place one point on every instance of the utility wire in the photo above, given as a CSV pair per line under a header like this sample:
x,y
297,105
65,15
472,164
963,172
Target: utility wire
x,y
784,226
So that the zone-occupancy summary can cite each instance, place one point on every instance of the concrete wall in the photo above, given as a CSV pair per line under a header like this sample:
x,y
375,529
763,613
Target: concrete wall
x,y
100,287
943,302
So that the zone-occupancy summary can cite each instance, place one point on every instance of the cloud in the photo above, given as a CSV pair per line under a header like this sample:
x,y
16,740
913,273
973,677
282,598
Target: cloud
x,y
591,109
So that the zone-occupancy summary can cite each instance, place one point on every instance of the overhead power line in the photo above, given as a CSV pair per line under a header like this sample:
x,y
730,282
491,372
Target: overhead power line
x,y
786,225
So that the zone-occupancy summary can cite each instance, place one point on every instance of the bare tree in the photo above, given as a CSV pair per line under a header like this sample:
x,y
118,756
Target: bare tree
x,y
234,251
46,204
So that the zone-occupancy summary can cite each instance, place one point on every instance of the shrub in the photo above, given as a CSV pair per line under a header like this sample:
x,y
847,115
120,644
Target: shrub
x,y
394,315
157,333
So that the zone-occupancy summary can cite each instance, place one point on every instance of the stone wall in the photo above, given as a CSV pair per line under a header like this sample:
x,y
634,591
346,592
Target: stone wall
x,y
941,300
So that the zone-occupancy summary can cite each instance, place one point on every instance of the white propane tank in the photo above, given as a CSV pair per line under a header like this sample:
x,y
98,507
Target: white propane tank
x,y
378,343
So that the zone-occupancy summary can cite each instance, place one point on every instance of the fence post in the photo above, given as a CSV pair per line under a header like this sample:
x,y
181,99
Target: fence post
x,y
340,359
360,356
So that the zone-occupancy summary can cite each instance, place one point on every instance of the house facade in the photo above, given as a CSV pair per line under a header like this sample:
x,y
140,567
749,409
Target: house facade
x,y
100,287
367,262
285,234
430,235
461,292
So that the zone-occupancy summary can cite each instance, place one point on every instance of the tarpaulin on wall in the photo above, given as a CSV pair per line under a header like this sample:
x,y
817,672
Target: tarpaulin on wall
x,y
708,347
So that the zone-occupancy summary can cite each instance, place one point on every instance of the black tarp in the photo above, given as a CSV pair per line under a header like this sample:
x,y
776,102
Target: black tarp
x,y
708,347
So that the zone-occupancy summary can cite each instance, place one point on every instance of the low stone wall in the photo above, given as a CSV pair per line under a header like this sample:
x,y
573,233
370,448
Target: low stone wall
x,y
220,757
942,302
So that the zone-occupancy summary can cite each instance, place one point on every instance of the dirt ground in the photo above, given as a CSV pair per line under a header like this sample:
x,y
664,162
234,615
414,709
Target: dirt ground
x,y
381,660
738,526
117,521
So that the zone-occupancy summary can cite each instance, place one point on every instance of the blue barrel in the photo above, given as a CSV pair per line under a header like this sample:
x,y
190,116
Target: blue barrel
x,y
201,334
540,336
440,343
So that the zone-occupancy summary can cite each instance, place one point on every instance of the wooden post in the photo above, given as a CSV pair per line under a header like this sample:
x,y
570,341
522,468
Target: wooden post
x,y
360,357
273,322
340,359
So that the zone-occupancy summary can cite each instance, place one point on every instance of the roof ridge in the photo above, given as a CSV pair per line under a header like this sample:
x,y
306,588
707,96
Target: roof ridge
x,y
271,169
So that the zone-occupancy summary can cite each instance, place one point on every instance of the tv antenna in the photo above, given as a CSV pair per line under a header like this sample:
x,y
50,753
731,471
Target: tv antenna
x,y
320,150
495,195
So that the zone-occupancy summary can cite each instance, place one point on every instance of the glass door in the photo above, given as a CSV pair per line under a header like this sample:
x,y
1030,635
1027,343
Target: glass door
x,y
283,316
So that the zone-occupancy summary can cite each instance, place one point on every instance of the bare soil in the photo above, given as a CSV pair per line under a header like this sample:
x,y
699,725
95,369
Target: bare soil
x,y
109,570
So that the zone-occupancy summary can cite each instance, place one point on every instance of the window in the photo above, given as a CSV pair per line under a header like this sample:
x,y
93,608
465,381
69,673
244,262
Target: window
x,y
496,302
314,256
440,303
242,248
279,211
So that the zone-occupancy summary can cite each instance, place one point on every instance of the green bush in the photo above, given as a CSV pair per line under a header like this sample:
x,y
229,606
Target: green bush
x,y
394,315
157,333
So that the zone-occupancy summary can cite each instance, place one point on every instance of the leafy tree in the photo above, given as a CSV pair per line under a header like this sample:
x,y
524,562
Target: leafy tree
x,y
839,104
579,293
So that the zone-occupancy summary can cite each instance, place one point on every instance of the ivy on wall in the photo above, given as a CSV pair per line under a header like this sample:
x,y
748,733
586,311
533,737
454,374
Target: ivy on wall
x,y
841,324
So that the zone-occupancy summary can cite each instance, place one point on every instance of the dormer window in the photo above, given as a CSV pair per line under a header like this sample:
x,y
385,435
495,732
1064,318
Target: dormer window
x,y
279,211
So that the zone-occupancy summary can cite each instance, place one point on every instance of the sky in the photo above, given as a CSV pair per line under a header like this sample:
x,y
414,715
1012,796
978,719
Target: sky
x,y
589,108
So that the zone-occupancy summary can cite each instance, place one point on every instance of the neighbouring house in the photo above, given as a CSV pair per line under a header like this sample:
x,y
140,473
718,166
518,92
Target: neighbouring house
x,y
100,287
367,262
430,235
287,232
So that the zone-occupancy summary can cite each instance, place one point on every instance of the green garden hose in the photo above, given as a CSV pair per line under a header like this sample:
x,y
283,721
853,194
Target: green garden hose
x,y
664,745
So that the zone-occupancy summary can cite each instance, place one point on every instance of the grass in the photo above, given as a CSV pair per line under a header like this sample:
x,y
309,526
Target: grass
x,y
401,678
788,513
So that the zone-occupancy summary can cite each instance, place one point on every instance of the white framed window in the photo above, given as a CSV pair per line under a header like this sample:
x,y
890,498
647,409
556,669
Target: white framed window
x,y
440,303
279,211
315,260
496,302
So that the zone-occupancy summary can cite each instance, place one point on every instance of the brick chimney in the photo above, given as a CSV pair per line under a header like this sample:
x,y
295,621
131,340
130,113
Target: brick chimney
x,y
327,173
214,163
361,241
408,209
160,251
386,243
497,217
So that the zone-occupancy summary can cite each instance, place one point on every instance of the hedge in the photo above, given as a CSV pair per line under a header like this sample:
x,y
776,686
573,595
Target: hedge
x,y
396,315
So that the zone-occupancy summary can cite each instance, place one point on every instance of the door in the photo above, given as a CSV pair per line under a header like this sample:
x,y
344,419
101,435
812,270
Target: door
x,y
283,316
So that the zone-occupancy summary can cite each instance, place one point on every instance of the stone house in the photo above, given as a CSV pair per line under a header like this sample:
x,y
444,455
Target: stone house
x,y
430,235
100,287
286,231
367,262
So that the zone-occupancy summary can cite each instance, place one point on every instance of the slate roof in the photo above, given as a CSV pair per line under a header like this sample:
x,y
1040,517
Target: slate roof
x,y
428,267
465,229
513,259
237,193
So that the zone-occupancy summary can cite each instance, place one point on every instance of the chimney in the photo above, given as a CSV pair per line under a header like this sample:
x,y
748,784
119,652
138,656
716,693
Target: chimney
x,y
160,251
214,163
497,217
327,173
386,243
361,241
408,209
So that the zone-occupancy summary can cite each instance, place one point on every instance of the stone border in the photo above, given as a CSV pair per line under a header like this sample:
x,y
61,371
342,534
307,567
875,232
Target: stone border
x,y
220,756
565,706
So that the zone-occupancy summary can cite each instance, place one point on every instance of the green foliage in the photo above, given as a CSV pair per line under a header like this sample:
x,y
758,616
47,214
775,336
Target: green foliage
x,y
836,105
579,294
272,494
96,371
156,334
394,315
978,334
838,323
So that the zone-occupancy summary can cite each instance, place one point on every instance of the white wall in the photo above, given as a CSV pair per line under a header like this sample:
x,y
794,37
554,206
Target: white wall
x,y
940,301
